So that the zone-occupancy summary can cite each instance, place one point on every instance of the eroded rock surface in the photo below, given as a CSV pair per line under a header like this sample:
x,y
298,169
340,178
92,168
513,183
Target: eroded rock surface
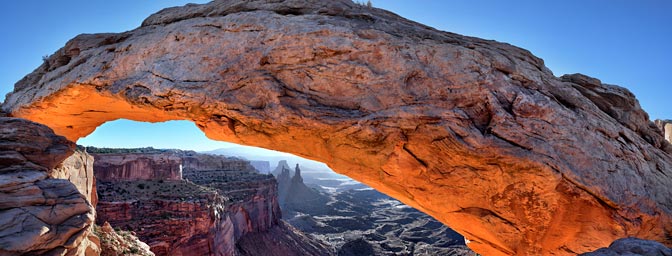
x,y
41,212
632,247
479,134
78,169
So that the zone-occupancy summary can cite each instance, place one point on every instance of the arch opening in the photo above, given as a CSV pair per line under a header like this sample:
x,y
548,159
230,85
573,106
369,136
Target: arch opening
x,y
138,161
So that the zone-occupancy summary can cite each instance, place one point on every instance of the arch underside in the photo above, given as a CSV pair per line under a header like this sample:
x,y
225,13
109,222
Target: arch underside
x,y
478,134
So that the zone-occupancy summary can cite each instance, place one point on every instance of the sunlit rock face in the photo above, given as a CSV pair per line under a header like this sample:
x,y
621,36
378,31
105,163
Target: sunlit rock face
x,y
41,210
666,127
479,134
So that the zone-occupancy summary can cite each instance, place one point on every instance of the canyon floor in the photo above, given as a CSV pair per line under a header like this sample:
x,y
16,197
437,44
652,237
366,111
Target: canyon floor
x,y
358,220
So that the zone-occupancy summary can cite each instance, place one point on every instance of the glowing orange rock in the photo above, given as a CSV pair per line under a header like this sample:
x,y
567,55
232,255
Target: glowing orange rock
x,y
476,133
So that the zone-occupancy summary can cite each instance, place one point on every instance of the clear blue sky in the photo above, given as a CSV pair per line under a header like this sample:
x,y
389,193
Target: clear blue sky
x,y
623,42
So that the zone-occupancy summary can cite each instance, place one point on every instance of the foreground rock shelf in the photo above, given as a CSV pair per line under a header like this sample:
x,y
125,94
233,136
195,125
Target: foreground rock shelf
x,y
479,134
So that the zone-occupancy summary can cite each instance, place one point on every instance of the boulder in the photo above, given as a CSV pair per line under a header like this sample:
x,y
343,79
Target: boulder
x,y
632,247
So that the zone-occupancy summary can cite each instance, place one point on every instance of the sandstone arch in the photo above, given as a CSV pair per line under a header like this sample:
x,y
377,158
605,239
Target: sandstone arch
x,y
476,133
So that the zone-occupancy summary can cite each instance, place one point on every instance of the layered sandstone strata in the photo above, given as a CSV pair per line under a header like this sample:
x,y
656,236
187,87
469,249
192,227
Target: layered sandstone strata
x,y
121,166
172,217
477,133
41,210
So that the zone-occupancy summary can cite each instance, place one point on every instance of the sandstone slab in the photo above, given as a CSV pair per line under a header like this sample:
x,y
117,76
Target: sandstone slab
x,y
477,133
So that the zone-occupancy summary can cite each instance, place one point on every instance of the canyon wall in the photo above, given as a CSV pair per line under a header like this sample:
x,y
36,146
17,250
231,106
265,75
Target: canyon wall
x,y
477,133
115,167
172,217
219,202
41,210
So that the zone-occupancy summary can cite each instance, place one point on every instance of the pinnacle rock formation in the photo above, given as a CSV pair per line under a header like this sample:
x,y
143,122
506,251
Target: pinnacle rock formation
x,y
297,175
477,133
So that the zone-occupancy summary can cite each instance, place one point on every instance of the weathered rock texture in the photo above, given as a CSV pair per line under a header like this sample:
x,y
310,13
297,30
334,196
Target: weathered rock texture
x,y
78,169
41,212
632,247
477,133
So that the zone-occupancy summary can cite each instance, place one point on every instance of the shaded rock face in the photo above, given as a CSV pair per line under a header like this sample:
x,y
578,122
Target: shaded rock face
x,y
41,211
358,247
632,247
281,167
117,167
479,134
284,179
294,194
280,240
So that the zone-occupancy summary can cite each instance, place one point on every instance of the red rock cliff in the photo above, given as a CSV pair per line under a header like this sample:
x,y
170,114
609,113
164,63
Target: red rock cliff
x,y
220,201
116,167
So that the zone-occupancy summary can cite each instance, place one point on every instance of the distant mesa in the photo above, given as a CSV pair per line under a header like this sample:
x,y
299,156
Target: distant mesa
x,y
263,167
